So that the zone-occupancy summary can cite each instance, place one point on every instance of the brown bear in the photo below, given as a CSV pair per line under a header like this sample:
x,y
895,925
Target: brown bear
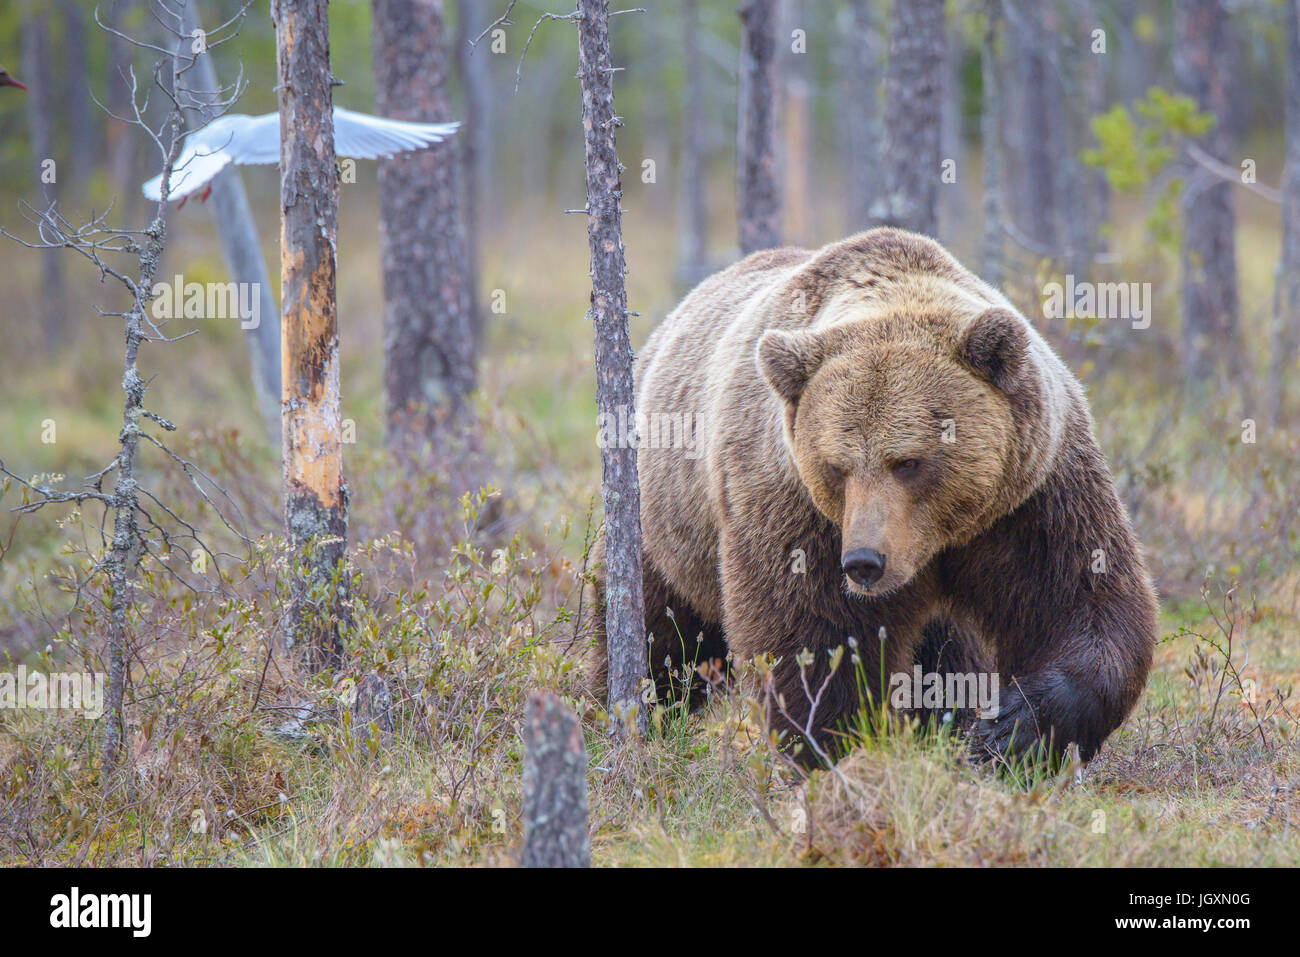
x,y
876,446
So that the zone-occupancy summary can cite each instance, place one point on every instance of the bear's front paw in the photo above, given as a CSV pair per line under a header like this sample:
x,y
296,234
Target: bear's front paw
x,y
1041,714
1017,731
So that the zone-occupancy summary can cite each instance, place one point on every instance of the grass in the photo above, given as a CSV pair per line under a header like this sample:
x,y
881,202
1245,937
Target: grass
x,y
237,758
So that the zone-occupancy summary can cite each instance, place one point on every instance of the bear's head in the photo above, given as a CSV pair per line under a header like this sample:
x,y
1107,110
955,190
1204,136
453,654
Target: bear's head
x,y
902,430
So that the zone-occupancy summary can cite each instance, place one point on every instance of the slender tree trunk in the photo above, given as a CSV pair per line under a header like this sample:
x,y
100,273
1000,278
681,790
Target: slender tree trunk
x,y
990,135
913,114
1096,185
47,168
1061,227
656,138
1068,126
127,548
1132,65
952,200
1209,261
493,88
475,105
624,605
555,786
759,199
1286,291
1039,162
120,138
429,356
315,498
240,244
693,241
124,555
862,103
75,67
796,123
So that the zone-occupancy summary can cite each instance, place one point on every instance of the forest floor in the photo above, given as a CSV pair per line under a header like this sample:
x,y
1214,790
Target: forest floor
x,y
237,758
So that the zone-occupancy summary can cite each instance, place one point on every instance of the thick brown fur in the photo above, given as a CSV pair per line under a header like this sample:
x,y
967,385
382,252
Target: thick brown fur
x,y
875,394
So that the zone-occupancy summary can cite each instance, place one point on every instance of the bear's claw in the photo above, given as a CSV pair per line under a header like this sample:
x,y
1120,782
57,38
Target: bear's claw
x,y
1015,732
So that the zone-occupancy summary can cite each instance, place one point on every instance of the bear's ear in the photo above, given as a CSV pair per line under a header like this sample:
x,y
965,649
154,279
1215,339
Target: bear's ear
x,y
788,360
996,347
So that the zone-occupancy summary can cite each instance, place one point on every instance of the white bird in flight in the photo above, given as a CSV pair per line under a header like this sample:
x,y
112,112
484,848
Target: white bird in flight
x,y
240,139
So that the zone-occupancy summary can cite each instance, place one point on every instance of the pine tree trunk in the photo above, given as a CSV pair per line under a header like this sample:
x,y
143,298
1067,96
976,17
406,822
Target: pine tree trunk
x,y
41,114
991,145
1096,185
693,241
120,136
1132,64
656,140
241,246
1286,302
913,114
862,103
1068,130
759,193
624,606
796,126
1209,261
952,201
1038,161
315,499
475,119
75,71
429,355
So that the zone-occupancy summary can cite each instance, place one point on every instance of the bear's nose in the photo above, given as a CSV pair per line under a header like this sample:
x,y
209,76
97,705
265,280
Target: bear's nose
x,y
864,566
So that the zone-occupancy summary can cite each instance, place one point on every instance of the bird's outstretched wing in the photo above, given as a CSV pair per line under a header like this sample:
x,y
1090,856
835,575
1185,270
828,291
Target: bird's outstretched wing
x,y
370,137
197,163
234,138
256,139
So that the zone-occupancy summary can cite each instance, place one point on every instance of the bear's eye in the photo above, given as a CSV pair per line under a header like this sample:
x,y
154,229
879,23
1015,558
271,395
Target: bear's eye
x,y
906,467
834,474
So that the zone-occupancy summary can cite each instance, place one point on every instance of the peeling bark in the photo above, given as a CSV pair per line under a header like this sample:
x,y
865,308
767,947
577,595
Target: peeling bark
x,y
624,606
315,498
